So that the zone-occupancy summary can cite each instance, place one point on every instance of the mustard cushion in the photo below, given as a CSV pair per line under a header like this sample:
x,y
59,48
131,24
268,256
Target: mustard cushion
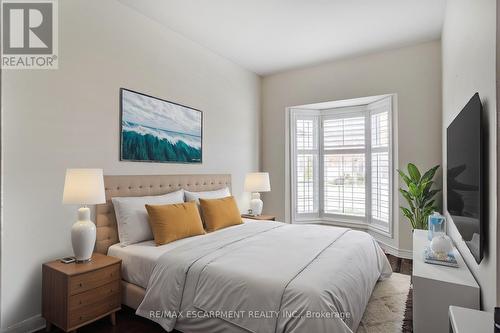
x,y
175,221
220,213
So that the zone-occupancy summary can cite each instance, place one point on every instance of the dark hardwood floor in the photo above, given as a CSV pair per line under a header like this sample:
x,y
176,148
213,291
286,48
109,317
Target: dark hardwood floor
x,y
128,322
400,265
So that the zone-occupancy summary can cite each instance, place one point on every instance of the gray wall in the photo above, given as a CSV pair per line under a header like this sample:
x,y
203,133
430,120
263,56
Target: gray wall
x,y
469,66
413,73
53,120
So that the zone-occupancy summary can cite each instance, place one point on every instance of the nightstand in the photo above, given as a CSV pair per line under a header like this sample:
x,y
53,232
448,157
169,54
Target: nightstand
x,y
75,295
259,217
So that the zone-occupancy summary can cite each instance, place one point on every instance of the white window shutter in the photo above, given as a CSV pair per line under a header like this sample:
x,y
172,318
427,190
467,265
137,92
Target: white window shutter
x,y
306,151
380,112
344,133
344,165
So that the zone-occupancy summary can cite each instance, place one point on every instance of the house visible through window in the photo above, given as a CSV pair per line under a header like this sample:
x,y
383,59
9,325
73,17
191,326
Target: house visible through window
x,y
341,164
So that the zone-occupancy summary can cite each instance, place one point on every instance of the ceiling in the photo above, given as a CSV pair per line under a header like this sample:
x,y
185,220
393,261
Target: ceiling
x,y
268,36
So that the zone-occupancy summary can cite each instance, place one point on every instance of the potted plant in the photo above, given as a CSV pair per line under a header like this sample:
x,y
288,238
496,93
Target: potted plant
x,y
419,195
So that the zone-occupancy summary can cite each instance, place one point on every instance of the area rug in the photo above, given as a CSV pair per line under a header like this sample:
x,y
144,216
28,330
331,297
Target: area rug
x,y
386,309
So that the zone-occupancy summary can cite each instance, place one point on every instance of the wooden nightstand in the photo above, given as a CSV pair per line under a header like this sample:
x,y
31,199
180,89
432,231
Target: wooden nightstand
x,y
77,294
259,217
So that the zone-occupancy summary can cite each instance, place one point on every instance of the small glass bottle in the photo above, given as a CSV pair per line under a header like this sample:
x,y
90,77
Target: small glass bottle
x,y
436,225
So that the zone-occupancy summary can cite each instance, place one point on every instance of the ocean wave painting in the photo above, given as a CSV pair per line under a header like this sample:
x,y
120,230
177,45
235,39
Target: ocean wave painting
x,y
156,130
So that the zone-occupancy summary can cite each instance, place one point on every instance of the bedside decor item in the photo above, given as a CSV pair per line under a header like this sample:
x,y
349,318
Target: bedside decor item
x,y
447,259
67,260
436,223
156,130
419,195
256,182
441,245
83,187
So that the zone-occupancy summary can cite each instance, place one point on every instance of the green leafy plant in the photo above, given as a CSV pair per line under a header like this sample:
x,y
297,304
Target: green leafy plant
x,y
419,195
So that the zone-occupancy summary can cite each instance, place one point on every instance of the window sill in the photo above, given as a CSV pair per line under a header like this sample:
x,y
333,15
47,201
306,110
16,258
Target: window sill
x,y
346,224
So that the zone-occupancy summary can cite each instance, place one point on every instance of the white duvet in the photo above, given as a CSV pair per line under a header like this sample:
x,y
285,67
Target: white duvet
x,y
266,277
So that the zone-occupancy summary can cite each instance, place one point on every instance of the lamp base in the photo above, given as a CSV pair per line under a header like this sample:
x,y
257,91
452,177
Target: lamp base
x,y
256,204
83,235
83,261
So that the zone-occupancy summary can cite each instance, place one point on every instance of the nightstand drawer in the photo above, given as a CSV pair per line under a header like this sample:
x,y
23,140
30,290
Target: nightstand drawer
x,y
91,280
94,295
93,311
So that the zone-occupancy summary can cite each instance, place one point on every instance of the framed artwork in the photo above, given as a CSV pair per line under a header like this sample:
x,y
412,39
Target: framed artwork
x,y
156,130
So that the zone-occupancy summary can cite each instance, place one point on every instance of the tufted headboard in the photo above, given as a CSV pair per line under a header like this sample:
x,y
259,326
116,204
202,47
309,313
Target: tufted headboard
x,y
137,186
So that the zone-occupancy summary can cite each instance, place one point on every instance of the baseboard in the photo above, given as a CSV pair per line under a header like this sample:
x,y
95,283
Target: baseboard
x,y
32,324
400,253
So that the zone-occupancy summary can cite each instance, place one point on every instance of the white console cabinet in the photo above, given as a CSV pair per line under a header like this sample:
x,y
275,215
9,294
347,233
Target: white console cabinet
x,y
464,320
437,287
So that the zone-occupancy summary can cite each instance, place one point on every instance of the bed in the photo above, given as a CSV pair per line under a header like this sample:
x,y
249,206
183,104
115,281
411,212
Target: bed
x,y
254,277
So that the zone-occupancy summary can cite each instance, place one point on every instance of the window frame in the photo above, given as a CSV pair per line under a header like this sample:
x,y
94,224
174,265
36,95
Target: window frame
x,y
363,222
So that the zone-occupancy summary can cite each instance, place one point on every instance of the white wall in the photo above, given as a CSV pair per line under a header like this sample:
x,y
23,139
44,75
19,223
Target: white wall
x,y
69,117
469,66
413,73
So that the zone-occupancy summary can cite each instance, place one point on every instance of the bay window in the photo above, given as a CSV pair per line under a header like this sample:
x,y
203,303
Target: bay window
x,y
341,165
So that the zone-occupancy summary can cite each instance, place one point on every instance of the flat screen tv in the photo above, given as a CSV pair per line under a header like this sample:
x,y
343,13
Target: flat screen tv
x,y
465,176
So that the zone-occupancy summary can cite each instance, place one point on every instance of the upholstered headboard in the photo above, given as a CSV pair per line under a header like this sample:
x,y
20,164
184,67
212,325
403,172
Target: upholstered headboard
x,y
137,186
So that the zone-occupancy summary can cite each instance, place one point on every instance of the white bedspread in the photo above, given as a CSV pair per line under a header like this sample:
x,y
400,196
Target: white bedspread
x,y
139,259
266,277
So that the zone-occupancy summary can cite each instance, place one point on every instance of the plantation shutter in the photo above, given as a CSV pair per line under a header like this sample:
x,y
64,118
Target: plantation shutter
x,y
342,165
380,161
344,144
306,165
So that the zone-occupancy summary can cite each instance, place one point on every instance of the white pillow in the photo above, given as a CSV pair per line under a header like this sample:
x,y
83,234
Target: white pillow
x,y
217,194
132,217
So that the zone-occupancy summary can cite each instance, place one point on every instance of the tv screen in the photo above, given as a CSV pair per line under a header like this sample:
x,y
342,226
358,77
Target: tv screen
x,y
465,175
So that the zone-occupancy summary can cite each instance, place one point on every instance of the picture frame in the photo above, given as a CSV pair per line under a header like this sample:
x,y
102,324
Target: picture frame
x,y
153,129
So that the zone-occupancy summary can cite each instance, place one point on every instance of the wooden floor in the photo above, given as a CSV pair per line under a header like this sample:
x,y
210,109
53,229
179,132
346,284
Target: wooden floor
x,y
128,322
399,265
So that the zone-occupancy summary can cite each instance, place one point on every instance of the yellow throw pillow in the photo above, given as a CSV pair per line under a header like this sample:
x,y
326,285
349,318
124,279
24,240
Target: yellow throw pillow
x,y
173,222
220,213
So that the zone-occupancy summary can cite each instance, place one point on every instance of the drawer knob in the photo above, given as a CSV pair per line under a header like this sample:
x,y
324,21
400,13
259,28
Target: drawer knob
x,y
80,301
80,284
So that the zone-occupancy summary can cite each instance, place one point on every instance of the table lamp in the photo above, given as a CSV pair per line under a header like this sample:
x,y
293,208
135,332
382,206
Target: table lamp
x,y
83,187
256,182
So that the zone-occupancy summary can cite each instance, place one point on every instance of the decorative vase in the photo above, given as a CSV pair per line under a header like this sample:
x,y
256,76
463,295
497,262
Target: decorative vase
x,y
441,245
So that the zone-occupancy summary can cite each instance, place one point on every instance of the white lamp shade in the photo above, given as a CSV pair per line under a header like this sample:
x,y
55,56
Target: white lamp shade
x,y
84,187
257,182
